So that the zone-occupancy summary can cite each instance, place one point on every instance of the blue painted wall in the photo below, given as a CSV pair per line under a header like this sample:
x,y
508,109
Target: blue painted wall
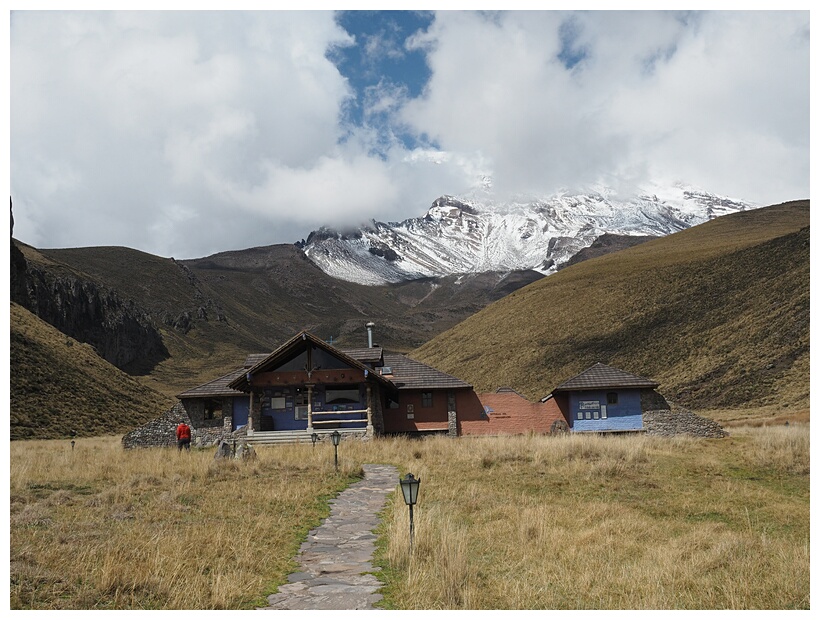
x,y
240,412
284,419
592,406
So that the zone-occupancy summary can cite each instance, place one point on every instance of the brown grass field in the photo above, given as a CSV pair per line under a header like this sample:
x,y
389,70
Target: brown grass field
x,y
529,522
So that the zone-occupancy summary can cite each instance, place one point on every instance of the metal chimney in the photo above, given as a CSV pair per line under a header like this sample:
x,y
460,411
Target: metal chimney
x,y
370,325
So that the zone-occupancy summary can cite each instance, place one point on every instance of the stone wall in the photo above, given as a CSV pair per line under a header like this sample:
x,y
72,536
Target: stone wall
x,y
161,432
377,412
208,432
669,423
158,433
452,415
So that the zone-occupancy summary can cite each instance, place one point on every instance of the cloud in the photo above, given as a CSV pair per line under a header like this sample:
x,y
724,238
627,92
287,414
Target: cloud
x,y
553,99
187,133
117,117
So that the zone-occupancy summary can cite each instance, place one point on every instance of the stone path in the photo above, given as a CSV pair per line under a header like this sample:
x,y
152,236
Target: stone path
x,y
338,552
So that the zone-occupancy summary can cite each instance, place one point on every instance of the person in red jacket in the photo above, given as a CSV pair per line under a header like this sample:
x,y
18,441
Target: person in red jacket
x,y
183,436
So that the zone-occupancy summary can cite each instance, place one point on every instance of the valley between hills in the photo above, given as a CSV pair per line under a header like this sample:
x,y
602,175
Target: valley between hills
x,y
718,314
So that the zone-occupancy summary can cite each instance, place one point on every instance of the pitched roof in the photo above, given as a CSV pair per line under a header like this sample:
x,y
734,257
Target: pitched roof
x,y
408,374
601,376
254,358
217,387
365,355
271,360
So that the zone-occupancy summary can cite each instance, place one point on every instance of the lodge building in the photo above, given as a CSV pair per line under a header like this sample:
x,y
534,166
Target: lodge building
x,y
307,387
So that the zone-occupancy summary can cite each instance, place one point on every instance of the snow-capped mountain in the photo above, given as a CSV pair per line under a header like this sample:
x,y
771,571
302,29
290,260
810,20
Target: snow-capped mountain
x,y
472,234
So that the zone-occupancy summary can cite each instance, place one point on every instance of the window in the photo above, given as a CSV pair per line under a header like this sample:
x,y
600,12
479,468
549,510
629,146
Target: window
x,y
427,399
321,359
300,403
212,409
300,412
612,398
342,395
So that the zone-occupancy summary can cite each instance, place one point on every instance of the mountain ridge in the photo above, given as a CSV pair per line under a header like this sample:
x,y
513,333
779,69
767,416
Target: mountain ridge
x,y
472,233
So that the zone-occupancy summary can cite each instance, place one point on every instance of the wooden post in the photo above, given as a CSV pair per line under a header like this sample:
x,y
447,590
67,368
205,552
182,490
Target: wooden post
x,y
250,414
369,431
310,407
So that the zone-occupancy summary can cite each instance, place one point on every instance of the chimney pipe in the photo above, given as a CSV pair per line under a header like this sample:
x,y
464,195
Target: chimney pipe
x,y
370,325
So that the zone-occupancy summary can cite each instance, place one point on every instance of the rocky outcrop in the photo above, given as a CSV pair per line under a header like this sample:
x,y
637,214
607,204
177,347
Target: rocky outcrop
x,y
119,330
669,423
18,268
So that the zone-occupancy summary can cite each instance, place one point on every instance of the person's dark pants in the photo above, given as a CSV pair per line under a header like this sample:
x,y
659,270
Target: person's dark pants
x,y
186,443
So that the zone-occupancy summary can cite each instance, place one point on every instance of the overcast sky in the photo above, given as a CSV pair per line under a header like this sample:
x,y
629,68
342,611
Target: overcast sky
x,y
187,133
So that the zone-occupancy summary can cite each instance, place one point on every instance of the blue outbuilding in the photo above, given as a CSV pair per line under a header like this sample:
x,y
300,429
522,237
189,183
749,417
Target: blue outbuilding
x,y
606,399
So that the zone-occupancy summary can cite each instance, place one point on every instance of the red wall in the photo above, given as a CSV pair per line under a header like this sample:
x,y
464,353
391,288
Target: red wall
x,y
509,414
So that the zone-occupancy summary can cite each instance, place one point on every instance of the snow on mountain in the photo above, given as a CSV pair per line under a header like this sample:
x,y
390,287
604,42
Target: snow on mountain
x,y
472,233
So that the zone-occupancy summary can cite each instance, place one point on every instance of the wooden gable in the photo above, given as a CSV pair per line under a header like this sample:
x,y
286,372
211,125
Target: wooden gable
x,y
305,359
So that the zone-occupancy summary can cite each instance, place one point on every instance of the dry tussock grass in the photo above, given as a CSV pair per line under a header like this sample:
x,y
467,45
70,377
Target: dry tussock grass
x,y
589,522
100,527
530,522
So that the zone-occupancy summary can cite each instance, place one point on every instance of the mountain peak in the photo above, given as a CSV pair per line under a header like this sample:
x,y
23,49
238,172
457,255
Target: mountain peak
x,y
472,234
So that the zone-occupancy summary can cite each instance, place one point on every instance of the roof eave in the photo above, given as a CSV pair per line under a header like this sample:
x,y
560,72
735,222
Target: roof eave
x,y
652,386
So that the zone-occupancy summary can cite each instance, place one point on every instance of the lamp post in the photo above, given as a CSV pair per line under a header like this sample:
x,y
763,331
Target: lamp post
x,y
314,437
335,436
410,490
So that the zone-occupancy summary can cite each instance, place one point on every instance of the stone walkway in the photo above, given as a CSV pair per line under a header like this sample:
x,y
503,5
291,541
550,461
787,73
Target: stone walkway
x,y
338,552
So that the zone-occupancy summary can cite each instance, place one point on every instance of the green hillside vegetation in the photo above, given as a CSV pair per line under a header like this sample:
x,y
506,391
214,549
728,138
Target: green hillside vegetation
x,y
718,314
59,385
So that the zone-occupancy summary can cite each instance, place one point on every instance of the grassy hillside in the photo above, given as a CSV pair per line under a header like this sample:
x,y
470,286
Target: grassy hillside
x,y
718,314
59,385
213,311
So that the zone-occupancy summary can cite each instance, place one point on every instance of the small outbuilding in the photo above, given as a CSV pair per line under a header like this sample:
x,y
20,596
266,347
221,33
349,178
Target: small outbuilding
x,y
606,399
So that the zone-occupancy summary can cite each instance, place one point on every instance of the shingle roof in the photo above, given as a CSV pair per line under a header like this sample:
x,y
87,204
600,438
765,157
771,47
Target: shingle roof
x,y
601,376
217,387
408,374
254,358
366,355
